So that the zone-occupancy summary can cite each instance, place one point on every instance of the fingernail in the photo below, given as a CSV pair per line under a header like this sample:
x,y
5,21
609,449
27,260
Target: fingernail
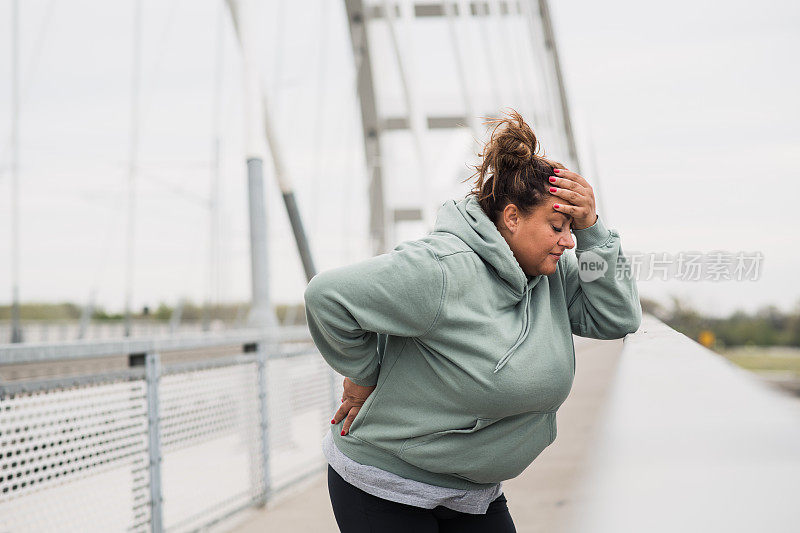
x,y
342,433
556,170
552,189
552,179
333,421
555,205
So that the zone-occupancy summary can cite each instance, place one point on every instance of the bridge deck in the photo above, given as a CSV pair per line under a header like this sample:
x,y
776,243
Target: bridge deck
x,y
658,434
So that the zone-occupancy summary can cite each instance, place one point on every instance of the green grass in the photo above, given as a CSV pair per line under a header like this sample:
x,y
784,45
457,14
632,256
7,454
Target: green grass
x,y
766,358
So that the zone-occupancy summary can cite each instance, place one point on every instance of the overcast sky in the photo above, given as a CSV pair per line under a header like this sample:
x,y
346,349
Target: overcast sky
x,y
690,107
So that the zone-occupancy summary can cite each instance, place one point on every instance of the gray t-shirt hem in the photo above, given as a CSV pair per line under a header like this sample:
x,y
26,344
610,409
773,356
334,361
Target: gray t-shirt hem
x,y
390,486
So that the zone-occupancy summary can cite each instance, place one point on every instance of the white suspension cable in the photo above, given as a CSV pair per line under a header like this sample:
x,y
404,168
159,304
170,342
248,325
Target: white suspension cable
x,y
416,118
33,67
466,93
160,55
319,114
213,281
133,155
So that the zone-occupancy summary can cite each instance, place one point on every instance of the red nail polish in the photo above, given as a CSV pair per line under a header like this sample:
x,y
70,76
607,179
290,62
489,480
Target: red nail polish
x,y
552,179
556,170
552,189
333,421
342,433
555,205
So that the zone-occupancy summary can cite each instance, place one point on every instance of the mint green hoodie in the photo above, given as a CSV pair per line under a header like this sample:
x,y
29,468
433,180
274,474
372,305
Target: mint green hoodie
x,y
471,358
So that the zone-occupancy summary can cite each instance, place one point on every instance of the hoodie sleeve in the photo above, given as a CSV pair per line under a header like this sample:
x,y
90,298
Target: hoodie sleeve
x,y
602,300
397,293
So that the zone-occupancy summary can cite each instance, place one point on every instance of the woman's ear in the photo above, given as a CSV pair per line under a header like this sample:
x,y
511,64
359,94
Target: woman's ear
x,y
510,218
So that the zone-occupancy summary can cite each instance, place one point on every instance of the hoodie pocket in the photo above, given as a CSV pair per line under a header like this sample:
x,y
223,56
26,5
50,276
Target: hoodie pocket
x,y
490,451
422,440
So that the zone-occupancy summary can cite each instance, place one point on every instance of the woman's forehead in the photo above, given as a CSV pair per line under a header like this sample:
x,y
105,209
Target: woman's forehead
x,y
564,216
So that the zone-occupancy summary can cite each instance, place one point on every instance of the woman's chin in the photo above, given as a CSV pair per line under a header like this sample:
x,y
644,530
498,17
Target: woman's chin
x,y
548,267
552,264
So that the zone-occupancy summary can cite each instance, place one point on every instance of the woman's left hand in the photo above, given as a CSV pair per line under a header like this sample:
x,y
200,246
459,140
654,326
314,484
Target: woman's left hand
x,y
573,188
353,397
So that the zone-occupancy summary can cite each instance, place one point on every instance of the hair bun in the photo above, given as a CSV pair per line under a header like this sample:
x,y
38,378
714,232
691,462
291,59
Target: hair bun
x,y
512,169
512,152
512,143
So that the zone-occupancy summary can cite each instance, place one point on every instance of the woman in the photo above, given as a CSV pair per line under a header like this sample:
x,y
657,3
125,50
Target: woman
x,y
457,347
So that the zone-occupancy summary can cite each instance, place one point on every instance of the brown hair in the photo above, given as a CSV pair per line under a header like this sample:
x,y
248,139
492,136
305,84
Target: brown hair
x,y
512,170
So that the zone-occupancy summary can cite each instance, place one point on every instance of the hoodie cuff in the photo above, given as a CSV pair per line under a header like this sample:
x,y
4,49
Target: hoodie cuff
x,y
593,236
367,381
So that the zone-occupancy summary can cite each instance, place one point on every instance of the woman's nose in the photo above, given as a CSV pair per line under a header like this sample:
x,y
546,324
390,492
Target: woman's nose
x,y
567,241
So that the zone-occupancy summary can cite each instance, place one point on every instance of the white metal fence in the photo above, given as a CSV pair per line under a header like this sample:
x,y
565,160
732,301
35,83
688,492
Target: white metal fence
x,y
179,439
69,330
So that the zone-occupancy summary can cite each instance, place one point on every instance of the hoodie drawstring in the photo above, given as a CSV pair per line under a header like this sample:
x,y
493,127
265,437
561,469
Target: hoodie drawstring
x,y
523,334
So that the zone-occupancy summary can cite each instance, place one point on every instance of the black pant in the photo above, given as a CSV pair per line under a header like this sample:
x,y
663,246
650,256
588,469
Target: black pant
x,y
358,511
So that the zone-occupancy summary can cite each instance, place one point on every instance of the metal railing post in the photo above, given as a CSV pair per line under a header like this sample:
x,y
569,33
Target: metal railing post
x,y
153,377
261,356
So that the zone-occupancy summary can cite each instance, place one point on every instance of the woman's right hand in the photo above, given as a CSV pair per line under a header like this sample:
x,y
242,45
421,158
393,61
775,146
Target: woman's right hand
x,y
353,398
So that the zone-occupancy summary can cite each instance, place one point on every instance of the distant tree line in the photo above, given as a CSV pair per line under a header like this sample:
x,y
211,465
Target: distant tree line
x,y
191,312
768,326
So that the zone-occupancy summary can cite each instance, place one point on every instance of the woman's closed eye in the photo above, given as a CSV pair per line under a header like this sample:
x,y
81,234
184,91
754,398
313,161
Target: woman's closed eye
x,y
555,228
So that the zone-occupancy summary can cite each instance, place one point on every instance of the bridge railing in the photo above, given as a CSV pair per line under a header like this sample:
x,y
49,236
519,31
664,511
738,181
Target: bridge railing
x,y
161,434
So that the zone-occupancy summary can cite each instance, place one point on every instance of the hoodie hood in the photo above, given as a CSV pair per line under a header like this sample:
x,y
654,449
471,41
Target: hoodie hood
x,y
466,220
